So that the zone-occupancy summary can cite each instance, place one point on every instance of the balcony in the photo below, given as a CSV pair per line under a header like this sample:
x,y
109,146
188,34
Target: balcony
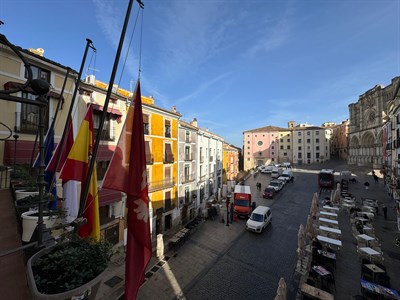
x,y
188,178
168,160
161,184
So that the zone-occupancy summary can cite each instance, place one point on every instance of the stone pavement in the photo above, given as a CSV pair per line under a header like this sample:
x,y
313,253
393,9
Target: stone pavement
x,y
176,272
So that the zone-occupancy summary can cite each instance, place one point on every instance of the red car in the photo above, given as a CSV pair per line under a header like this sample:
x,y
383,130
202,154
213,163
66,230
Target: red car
x,y
269,193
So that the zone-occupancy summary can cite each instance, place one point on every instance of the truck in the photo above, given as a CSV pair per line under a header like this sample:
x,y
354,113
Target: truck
x,y
326,179
242,200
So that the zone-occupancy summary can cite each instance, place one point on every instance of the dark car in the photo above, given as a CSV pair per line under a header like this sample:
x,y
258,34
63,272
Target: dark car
x,y
269,193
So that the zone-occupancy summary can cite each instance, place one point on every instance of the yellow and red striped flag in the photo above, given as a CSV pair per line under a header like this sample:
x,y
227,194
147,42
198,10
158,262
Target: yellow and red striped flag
x,y
76,168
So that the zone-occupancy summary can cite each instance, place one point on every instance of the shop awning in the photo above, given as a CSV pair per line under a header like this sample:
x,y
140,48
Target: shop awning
x,y
113,111
107,197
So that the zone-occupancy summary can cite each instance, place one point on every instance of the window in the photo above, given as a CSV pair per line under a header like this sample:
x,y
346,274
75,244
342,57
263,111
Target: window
x,y
149,158
146,125
248,148
272,159
106,133
308,141
187,195
187,136
167,173
281,140
187,153
187,173
308,133
248,153
299,133
308,155
317,148
299,148
299,140
38,73
281,147
272,153
284,154
299,155
168,156
317,132
288,147
28,116
167,126
317,154
260,143
317,140
288,140
248,142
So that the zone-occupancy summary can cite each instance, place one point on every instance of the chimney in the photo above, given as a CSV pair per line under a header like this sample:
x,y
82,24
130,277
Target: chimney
x,y
194,122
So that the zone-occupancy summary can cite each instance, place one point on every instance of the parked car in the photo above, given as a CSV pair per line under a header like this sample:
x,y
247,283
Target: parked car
x,y
287,176
259,219
276,172
276,184
269,193
267,170
283,179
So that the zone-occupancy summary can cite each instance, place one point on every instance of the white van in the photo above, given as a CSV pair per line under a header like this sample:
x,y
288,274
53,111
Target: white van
x,y
287,175
259,219
276,172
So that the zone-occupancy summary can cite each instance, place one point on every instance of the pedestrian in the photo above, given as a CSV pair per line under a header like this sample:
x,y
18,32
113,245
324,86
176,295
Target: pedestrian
x,y
253,206
376,178
366,184
384,209
259,186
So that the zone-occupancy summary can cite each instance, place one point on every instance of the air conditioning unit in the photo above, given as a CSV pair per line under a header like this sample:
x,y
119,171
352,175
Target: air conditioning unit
x,y
117,209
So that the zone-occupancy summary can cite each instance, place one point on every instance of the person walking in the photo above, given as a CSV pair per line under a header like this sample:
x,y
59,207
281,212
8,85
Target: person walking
x,y
384,209
376,178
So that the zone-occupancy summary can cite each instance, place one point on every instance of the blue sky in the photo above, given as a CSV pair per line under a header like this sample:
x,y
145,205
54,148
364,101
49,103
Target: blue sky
x,y
234,65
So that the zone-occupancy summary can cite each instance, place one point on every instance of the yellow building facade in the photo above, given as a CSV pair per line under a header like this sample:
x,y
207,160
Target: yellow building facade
x,y
161,136
230,162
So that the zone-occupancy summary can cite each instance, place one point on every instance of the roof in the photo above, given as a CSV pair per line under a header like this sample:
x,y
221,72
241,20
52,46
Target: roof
x,y
268,128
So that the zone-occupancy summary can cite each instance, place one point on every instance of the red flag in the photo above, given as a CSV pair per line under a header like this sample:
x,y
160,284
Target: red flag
x,y
76,167
66,147
127,173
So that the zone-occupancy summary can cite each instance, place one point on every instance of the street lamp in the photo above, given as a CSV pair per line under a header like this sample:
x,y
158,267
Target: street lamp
x,y
228,200
15,136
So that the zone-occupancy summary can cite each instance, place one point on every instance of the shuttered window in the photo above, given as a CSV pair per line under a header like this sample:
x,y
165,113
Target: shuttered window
x,y
169,158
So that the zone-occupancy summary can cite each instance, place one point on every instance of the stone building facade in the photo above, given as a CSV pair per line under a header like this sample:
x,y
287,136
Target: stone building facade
x,y
366,133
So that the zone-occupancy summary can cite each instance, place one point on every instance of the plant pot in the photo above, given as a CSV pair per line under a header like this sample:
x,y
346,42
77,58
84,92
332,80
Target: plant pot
x,y
20,194
29,223
85,291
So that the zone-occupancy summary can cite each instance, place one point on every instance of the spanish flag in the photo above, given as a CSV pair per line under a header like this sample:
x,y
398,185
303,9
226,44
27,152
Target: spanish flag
x,y
76,168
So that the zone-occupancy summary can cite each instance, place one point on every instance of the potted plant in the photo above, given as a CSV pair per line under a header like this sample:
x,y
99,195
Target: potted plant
x,y
24,204
72,269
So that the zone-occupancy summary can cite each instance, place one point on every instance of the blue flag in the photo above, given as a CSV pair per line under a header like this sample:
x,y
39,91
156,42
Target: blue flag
x,y
48,175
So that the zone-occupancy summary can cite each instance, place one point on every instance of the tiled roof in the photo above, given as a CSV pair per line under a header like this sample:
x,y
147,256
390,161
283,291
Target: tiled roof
x,y
268,128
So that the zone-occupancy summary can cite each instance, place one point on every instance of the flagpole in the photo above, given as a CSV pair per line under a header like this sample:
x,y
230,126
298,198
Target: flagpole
x,y
84,195
89,43
52,123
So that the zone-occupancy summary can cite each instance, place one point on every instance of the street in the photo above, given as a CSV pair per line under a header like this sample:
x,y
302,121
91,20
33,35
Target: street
x,y
254,263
